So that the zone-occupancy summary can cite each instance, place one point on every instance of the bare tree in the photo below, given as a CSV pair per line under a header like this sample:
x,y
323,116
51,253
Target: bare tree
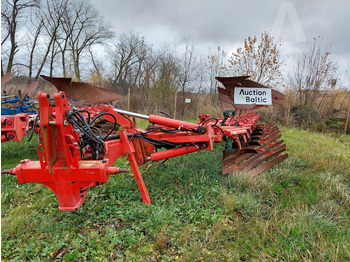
x,y
96,76
188,66
11,15
140,68
312,72
83,28
127,57
216,66
149,65
165,78
34,38
50,14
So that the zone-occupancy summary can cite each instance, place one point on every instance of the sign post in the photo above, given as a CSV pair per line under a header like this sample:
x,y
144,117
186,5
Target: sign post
x,y
347,115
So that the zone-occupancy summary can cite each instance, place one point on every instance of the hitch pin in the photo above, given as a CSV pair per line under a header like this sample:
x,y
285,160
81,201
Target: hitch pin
x,y
114,170
6,172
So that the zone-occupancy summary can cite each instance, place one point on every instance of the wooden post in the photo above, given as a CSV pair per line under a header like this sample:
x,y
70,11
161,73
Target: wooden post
x,y
129,98
289,101
347,114
175,104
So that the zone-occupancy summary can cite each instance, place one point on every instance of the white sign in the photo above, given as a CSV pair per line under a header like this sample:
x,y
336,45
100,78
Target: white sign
x,y
252,96
187,100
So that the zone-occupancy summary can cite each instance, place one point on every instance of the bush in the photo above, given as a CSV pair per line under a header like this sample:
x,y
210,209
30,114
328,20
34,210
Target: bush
x,y
337,124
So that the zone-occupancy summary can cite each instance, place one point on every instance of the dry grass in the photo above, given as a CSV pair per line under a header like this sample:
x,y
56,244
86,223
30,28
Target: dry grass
x,y
321,151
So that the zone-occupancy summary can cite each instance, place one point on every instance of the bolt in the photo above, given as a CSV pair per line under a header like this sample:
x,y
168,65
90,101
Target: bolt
x,y
104,161
65,123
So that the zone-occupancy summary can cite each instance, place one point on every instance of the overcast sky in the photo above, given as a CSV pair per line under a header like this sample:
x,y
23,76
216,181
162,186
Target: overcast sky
x,y
226,23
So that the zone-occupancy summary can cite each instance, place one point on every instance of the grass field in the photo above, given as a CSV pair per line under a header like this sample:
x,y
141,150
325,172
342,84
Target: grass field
x,y
296,211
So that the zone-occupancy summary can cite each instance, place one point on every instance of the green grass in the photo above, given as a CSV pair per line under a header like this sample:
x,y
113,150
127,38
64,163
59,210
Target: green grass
x,y
296,211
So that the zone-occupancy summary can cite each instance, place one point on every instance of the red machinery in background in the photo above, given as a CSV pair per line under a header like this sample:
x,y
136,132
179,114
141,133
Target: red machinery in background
x,y
14,127
17,118
77,152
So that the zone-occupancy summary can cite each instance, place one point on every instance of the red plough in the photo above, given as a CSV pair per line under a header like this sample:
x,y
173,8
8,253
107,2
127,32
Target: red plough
x,y
77,152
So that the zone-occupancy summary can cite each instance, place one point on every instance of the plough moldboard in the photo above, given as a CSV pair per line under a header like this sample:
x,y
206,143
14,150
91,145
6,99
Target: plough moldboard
x,y
78,149
12,104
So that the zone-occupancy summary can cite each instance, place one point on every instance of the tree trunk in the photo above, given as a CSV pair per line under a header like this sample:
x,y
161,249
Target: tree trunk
x,y
44,59
64,71
13,49
37,33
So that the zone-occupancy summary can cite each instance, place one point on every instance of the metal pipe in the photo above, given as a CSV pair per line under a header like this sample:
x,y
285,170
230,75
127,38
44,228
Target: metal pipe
x,y
159,119
128,113
171,122
173,153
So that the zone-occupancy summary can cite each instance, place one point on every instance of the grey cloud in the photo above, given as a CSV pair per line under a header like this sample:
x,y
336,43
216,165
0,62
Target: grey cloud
x,y
224,23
